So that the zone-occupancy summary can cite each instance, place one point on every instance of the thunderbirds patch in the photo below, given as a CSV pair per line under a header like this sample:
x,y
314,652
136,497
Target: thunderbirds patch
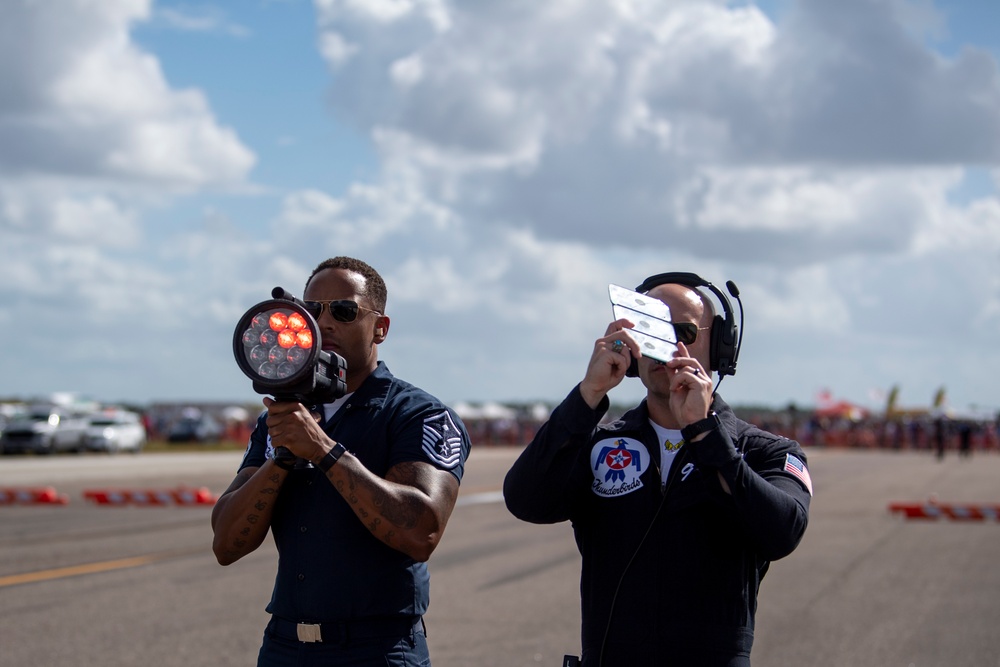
x,y
617,464
442,440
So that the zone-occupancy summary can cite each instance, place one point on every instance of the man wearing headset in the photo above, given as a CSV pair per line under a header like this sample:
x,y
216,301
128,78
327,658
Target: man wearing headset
x,y
356,493
678,507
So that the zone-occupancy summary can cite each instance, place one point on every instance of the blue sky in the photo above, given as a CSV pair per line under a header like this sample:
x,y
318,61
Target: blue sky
x,y
267,81
164,164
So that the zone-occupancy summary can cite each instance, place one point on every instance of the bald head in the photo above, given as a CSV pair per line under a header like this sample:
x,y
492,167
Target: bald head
x,y
686,300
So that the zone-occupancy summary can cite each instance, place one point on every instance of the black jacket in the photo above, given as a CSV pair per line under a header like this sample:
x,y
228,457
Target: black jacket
x,y
680,566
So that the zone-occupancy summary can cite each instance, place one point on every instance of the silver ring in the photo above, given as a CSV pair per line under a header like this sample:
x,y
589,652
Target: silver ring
x,y
617,346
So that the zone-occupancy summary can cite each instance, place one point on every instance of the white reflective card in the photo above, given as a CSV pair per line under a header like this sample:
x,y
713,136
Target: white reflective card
x,y
653,331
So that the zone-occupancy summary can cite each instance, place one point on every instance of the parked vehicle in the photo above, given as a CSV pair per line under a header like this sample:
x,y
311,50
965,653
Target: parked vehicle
x,y
45,429
195,429
116,431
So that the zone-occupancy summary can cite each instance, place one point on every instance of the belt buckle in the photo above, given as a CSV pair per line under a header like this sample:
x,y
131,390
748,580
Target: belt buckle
x,y
308,632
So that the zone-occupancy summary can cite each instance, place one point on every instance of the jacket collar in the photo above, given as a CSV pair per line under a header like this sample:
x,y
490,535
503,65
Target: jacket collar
x,y
374,391
638,417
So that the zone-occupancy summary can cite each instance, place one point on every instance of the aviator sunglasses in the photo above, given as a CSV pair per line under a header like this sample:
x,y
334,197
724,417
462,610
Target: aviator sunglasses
x,y
687,332
342,310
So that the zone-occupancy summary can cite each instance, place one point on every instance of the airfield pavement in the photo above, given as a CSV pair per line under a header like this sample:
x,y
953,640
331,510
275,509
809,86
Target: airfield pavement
x,y
82,584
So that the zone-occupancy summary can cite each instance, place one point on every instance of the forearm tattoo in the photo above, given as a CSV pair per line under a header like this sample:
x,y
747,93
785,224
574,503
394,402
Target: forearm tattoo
x,y
263,502
403,514
389,513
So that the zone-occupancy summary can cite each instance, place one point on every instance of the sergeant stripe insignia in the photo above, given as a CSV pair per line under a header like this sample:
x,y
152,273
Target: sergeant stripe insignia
x,y
442,440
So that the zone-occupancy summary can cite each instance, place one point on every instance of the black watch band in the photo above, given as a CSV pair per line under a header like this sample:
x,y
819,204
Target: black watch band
x,y
331,457
283,458
692,431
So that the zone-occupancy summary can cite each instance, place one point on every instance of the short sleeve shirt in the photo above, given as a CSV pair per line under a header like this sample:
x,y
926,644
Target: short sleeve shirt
x,y
330,565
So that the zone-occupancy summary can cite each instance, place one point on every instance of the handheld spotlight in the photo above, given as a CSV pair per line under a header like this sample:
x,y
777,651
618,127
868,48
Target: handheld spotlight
x,y
278,345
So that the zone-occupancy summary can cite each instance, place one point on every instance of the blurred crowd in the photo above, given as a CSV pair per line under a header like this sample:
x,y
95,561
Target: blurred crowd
x,y
920,432
902,432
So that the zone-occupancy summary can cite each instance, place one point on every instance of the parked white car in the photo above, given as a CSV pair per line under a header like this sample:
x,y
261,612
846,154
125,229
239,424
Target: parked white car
x,y
45,429
116,431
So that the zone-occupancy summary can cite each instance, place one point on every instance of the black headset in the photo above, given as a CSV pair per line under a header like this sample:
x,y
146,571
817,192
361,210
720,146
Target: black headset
x,y
724,348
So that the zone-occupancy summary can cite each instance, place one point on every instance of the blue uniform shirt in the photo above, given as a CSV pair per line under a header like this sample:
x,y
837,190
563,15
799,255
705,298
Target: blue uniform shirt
x,y
330,566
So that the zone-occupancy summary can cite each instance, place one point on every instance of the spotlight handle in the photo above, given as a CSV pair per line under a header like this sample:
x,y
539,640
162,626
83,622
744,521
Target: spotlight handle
x,y
283,294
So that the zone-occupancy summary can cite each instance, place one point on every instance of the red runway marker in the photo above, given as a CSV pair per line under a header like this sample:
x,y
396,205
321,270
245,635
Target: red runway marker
x,y
37,496
933,510
151,497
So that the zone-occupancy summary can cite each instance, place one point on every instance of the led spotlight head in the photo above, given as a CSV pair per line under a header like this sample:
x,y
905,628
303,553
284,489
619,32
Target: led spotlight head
x,y
278,345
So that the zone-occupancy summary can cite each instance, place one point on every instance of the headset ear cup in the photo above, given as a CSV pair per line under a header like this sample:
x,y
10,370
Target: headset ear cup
x,y
731,349
716,343
723,346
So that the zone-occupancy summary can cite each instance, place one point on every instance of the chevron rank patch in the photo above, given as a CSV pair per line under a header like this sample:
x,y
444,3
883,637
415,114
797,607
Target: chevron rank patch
x,y
442,440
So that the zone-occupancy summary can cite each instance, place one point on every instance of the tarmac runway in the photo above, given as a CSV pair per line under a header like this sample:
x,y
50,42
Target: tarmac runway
x,y
82,584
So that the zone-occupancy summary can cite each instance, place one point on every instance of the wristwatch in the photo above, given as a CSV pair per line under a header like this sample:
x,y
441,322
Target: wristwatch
x,y
283,458
693,430
331,457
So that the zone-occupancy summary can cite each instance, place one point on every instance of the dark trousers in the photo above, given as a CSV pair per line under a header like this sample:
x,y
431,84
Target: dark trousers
x,y
665,656
281,648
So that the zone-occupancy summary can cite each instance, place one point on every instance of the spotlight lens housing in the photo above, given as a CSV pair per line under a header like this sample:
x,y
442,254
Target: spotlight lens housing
x,y
278,345
264,350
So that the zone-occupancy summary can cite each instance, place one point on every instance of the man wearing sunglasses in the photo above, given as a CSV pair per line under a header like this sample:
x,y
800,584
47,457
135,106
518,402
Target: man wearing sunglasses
x,y
678,507
356,493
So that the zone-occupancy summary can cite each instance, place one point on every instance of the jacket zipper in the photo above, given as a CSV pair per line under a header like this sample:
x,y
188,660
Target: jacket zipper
x,y
679,460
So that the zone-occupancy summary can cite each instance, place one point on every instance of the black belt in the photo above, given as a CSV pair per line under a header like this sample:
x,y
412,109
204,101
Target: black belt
x,y
341,632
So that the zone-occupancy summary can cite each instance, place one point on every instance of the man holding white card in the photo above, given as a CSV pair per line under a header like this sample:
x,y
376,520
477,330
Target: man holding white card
x,y
678,507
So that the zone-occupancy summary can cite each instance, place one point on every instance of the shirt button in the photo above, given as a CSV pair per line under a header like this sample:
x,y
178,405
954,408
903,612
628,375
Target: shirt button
x,y
302,577
302,529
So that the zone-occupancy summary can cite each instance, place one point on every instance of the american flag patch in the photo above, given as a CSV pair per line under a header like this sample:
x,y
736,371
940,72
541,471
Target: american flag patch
x,y
442,440
795,467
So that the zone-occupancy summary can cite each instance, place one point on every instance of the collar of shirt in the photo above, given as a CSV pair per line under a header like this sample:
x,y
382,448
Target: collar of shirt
x,y
330,409
670,441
